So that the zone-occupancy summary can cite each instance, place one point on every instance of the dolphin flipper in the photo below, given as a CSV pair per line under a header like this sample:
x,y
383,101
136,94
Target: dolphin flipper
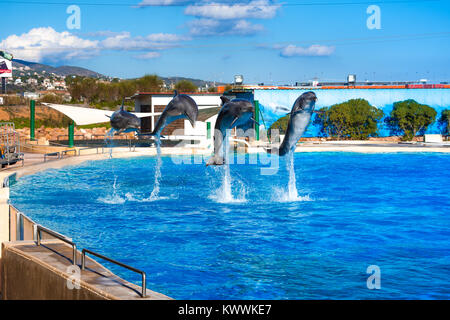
x,y
255,121
233,122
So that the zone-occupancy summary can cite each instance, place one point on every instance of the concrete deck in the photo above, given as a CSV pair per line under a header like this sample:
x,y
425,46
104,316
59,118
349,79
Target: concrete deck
x,y
41,272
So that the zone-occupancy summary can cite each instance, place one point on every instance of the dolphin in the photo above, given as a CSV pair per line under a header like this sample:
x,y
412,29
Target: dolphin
x,y
123,121
236,112
181,106
299,119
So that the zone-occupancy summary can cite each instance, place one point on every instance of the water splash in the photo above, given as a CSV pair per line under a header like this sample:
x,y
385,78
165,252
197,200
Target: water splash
x,y
132,198
292,186
155,193
281,195
113,198
291,194
224,193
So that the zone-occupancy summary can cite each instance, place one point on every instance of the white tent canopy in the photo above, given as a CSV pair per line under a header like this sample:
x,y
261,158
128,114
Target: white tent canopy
x,y
83,116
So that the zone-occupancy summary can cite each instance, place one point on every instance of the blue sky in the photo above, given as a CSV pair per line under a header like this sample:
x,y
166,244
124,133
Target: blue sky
x,y
268,41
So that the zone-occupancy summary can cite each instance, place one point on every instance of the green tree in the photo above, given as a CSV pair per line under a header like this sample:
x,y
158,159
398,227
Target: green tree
x,y
149,83
104,94
185,86
444,122
409,118
51,98
354,119
280,125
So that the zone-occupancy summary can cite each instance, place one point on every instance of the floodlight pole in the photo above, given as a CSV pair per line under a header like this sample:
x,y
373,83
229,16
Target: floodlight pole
x,y
71,133
32,119
257,120
208,130
3,85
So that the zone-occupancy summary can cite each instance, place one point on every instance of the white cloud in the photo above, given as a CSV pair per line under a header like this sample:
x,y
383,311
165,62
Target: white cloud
x,y
148,3
46,44
102,33
155,41
314,50
207,27
256,9
40,44
149,55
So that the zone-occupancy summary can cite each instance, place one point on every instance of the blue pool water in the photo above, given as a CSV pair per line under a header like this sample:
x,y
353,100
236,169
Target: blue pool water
x,y
353,210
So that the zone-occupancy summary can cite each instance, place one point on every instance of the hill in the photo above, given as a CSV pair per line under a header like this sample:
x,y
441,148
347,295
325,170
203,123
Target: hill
x,y
61,71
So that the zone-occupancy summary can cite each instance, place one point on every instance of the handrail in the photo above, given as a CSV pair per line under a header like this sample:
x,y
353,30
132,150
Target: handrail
x,y
67,151
83,263
57,154
66,135
40,228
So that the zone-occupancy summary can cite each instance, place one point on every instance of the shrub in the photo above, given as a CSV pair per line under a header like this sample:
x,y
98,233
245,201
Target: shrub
x,y
52,98
280,125
354,119
409,118
444,122
185,86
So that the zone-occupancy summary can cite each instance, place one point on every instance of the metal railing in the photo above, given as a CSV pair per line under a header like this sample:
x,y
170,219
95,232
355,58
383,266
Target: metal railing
x,y
83,265
90,148
66,135
64,152
52,154
36,234
40,228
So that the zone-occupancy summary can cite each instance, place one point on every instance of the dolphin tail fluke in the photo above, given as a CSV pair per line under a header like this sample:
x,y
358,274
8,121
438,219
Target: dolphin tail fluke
x,y
215,161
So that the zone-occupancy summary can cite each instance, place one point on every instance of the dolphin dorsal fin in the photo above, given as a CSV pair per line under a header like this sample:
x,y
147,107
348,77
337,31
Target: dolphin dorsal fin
x,y
175,93
224,99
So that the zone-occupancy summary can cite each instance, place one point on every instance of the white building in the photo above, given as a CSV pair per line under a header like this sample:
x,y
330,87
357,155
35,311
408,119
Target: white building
x,y
208,104
31,95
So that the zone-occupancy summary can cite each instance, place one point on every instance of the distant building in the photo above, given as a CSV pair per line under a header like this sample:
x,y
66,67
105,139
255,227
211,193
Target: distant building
x,y
30,95
59,84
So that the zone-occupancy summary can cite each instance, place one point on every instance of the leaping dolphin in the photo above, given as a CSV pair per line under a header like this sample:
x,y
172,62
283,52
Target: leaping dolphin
x,y
123,121
233,113
299,119
181,106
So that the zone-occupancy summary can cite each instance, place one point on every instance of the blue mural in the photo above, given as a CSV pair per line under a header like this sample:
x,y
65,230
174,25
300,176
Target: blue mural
x,y
275,103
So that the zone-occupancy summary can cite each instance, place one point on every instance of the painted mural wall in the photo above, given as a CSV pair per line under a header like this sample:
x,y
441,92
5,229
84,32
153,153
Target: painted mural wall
x,y
275,103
